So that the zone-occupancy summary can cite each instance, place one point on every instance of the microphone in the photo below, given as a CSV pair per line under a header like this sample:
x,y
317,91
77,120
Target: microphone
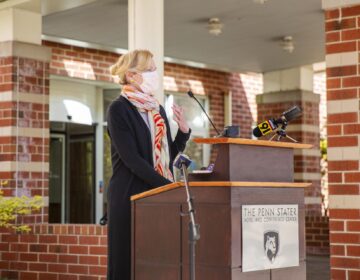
x,y
270,125
265,127
291,114
202,108
182,160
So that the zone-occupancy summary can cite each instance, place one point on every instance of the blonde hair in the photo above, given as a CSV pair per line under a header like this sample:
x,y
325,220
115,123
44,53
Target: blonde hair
x,y
139,60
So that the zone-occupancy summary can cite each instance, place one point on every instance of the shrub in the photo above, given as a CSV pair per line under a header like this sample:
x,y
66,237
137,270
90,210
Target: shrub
x,y
11,207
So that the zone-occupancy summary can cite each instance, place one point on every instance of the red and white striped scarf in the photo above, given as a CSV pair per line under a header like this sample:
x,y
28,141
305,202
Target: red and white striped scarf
x,y
148,103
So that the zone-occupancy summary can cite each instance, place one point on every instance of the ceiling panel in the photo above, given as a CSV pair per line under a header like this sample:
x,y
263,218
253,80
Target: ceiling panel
x,y
249,41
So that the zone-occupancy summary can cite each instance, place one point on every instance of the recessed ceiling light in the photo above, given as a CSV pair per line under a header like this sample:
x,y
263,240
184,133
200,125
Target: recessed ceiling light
x,y
215,26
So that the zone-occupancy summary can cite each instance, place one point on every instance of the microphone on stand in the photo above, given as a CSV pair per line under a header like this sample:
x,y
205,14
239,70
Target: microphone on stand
x,y
182,162
202,108
278,125
229,131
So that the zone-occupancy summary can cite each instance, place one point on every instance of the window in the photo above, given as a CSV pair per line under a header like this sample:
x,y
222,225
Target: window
x,y
199,153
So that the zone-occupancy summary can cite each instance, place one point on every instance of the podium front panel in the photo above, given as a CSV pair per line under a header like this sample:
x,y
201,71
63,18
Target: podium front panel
x,y
250,163
160,233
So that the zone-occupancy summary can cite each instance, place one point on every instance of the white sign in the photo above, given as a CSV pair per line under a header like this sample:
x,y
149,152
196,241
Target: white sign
x,y
270,236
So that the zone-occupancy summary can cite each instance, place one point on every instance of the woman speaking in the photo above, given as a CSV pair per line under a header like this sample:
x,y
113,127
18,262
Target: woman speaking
x,y
142,151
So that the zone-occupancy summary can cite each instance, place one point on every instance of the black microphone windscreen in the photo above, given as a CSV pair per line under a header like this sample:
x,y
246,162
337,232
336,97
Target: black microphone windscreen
x,y
190,94
257,132
292,113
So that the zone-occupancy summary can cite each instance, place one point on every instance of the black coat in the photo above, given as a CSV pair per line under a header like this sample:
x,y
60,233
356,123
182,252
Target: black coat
x,y
133,173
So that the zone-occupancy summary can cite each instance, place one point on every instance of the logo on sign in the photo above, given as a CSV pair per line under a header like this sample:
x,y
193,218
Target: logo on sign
x,y
271,244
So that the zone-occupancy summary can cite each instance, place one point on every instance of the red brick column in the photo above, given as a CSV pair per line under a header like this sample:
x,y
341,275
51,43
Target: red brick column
x,y
305,130
24,122
343,92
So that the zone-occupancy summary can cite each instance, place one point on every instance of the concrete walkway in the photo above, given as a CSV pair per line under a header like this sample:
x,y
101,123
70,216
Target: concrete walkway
x,y
318,268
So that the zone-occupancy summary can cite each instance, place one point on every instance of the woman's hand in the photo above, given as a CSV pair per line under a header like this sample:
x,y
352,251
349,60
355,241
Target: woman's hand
x,y
179,118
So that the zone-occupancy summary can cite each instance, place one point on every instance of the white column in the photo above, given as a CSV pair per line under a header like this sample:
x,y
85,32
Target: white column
x,y
146,31
299,78
15,17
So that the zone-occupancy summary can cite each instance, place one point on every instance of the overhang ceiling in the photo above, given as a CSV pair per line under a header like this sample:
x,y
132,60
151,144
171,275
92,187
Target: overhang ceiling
x,y
249,42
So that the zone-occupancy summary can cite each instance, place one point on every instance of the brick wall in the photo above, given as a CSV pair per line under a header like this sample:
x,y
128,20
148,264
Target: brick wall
x,y
91,64
317,235
343,83
24,123
55,252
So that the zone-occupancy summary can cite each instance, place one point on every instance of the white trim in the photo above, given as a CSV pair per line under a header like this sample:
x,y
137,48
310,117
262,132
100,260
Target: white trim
x,y
25,50
333,4
31,166
287,96
312,200
342,106
24,131
343,153
307,176
24,97
6,96
99,155
344,201
303,128
45,201
307,152
341,59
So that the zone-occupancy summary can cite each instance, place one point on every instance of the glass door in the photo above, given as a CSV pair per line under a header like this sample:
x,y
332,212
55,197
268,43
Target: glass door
x,y
57,179
81,179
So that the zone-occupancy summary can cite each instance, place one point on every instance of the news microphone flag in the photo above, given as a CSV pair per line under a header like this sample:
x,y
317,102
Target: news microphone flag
x,y
264,128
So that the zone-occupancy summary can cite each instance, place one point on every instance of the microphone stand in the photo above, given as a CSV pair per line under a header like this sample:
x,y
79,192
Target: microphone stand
x,y
194,233
229,131
282,133
202,108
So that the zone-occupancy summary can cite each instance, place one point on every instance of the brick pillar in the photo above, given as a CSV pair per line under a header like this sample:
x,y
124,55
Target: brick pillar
x,y
24,110
282,90
343,92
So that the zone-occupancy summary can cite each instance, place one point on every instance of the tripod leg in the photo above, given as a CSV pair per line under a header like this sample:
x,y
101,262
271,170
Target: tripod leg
x,y
292,139
272,137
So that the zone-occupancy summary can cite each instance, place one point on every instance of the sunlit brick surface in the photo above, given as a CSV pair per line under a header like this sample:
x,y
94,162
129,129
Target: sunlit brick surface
x,y
343,82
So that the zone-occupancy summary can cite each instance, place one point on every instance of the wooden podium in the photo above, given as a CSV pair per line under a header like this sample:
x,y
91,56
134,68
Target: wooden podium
x,y
247,172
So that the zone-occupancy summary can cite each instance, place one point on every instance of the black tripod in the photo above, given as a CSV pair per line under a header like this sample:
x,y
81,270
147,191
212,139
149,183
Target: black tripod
x,y
280,133
183,162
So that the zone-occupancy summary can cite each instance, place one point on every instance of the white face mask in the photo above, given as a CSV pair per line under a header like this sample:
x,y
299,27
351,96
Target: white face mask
x,y
150,82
